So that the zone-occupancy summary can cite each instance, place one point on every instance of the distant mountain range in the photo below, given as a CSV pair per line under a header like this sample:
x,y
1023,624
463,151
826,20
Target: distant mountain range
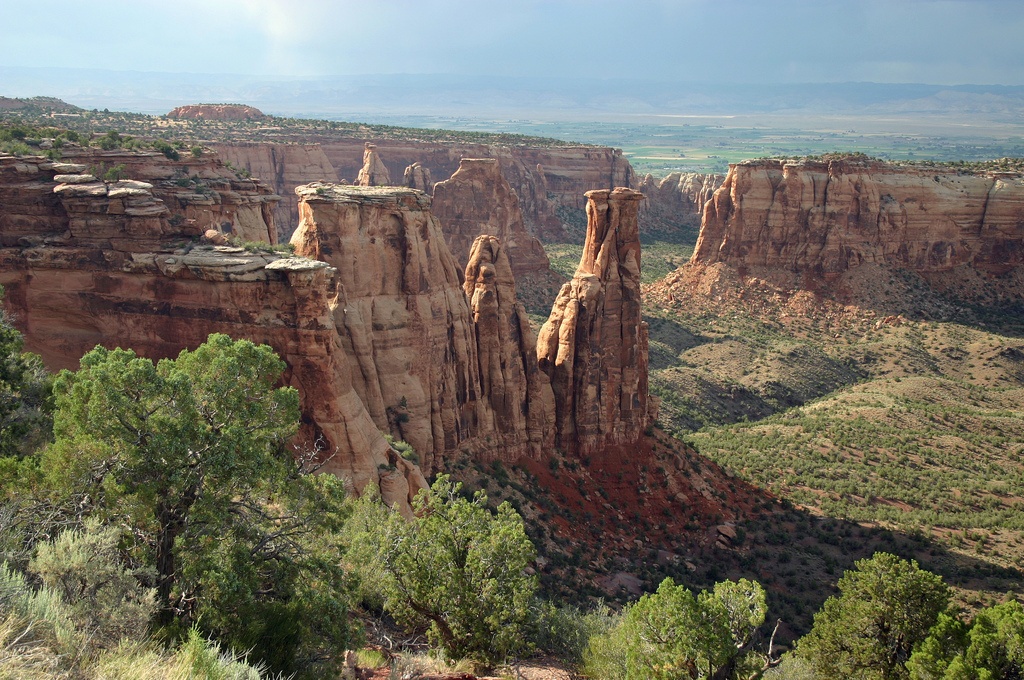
x,y
446,95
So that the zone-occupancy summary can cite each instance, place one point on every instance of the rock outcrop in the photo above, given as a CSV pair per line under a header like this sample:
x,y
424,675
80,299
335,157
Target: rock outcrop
x,y
819,219
519,393
217,112
417,176
477,201
380,329
677,200
373,173
550,181
405,320
594,345
285,166
86,262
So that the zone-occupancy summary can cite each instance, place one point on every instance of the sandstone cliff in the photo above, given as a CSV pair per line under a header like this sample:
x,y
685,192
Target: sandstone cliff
x,y
405,320
550,181
284,166
87,262
216,112
382,332
594,345
676,200
478,201
820,219
417,176
373,173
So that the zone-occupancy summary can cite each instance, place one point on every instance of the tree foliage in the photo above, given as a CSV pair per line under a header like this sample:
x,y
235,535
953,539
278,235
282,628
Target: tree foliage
x,y
190,453
885,608
674,634
991,647
455,569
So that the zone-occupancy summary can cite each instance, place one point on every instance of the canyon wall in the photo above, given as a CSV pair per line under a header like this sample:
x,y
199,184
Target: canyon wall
x,y
381,329
477,201
822,218
550,181
284,166
86,262
594,345
676,200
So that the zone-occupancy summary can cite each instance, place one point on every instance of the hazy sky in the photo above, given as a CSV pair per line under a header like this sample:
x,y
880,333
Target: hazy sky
x,y
740,41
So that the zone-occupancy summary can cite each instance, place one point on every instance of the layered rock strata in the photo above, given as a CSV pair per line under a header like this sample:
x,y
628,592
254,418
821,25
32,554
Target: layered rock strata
x,y
820,219
87,263
373,173
477,201
285,166
405,320
677,199
594,345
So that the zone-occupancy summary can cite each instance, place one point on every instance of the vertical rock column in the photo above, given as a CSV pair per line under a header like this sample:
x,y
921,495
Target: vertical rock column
x,y
594,345
522,404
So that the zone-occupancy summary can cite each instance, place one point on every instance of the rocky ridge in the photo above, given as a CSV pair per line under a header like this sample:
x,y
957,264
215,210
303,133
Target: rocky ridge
x,y
809,222
217,112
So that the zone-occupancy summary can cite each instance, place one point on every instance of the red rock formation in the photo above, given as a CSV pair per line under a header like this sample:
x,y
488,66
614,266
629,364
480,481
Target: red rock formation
x,y
85,262
405,319
594,345
285,166
477,201
520,395
417,176
677,199
822,218
373,173
216,112
550,181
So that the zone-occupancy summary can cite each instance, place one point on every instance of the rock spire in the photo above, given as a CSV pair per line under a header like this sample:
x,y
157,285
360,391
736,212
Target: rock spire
x,y
373,173
594,345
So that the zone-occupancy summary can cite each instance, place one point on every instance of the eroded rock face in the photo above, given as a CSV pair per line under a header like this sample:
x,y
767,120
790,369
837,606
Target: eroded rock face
x,y
550,181
677,199
522,403
88,263
405,319
217,112
417,176
823,218
373,173
478,201
594,345
286,166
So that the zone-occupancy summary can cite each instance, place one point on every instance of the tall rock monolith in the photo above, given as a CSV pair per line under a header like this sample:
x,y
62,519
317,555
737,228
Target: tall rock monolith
x,y
594,345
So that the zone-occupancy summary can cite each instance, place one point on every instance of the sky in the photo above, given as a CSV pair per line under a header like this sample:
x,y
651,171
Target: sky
x,y
942,42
